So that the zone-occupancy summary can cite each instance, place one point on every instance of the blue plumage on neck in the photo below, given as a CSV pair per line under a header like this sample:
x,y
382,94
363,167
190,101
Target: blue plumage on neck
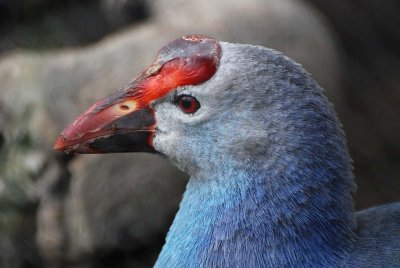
x,y
240,219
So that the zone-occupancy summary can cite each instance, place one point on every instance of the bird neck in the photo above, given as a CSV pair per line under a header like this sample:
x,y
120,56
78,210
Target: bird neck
x,y
268,216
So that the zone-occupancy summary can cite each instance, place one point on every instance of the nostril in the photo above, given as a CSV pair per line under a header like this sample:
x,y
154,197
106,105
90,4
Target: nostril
x,y
124,107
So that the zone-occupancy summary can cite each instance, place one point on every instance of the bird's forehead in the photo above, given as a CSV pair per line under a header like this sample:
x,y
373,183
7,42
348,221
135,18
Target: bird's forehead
x,y
189,60
190,46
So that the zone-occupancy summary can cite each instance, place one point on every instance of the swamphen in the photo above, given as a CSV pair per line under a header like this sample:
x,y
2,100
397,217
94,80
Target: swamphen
x,y
271,177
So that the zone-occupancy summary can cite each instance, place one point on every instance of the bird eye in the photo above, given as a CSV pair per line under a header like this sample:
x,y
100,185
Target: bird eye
x,y
188,104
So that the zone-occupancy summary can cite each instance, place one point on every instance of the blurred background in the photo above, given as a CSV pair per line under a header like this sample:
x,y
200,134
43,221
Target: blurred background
x,y
58,57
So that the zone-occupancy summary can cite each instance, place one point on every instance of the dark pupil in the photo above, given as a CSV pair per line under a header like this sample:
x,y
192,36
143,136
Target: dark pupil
x,y
186,102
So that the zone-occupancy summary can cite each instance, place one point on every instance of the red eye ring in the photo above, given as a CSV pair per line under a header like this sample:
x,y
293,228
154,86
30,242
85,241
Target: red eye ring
x,y
188,104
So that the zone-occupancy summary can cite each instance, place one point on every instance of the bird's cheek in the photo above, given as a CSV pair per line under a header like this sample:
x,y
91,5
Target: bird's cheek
x,y
162,141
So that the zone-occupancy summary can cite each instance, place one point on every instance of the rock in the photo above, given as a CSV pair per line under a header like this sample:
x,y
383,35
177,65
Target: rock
x,y
140,201
122,12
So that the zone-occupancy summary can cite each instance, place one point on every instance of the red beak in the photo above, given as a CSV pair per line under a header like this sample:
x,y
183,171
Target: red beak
x,y
125,121
114,124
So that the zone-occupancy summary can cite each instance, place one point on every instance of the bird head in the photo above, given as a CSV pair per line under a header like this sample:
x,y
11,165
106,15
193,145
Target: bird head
x,y
264,149
204,103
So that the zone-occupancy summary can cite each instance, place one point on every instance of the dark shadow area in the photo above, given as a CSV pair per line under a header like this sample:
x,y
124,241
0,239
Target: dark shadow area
x,y
43,24
369,36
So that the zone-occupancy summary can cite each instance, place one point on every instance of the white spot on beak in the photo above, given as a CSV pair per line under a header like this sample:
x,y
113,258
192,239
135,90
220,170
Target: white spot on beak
x,y
125,107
